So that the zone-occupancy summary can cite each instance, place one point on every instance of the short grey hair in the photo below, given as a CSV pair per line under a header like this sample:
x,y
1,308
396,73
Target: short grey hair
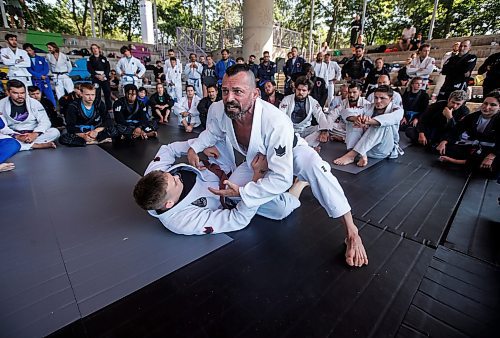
x,y
458,95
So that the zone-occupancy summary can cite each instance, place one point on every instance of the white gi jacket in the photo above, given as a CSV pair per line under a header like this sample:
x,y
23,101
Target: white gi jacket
x,y
396,98
272,135
182,106
427,66
313,108
37,119
18,62
131,70
321,70
200,212
174,75
61,65
342,109
333,71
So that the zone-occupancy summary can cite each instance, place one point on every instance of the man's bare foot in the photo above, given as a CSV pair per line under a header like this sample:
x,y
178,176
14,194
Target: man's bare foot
x,y
346,159
363,161
152,134
44,145
335,138
447,159
7,166
189,128
106,140
297,187
92,142
355,254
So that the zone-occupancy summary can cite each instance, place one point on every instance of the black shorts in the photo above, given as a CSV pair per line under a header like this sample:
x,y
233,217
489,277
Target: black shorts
x,y
13,11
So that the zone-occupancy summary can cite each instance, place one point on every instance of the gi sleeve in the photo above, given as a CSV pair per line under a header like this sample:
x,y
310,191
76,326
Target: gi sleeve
x,y
41,117
69,65
32,69
279,145
141,68
201,221
213,134
6,59
166,155
392,118
320,117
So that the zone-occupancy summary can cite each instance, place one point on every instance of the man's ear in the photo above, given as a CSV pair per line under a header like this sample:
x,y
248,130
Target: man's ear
x,y
169,204
256,93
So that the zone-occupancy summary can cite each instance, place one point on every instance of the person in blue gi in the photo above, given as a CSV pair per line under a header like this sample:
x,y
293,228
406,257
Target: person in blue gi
x,y
39,71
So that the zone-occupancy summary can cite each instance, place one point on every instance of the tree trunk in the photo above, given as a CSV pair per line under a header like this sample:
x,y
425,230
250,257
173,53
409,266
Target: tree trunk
x,y
448,18
75,17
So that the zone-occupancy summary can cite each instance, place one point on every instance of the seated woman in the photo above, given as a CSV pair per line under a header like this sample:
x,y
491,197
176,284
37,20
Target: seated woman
x,y
476,141
161,103
131,116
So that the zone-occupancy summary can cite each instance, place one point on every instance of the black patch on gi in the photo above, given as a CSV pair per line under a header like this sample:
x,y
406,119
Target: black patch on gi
x,y
280,151
157,158
324,169
200,202
208,230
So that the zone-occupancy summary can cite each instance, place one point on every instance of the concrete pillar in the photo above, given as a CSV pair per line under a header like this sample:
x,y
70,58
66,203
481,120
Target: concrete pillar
x,y
147,29
257,27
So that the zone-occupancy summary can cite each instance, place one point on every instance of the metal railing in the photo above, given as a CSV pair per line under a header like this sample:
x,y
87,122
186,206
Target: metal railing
x,y
189,41
286,38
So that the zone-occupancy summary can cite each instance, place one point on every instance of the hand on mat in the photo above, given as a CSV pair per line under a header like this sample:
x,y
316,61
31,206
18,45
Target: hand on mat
x,y
211,152
323,136
441,148
194,159
422,139
232,190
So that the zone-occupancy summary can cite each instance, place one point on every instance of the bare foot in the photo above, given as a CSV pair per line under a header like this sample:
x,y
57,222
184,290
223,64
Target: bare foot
x,y
297,187
189,129
152,134
447,159
355,254
106,140
92,142
44,145
346,159
335,138
7,166
363,161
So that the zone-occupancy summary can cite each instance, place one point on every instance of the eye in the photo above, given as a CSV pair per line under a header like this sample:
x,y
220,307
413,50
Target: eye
x,y
237,91
225,91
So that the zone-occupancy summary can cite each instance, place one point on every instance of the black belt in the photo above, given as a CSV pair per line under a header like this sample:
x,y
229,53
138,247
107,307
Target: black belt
x,y
214,168
59,73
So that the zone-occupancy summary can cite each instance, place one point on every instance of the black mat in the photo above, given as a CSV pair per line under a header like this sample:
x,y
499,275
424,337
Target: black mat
x,y
74,241
458,297
476,227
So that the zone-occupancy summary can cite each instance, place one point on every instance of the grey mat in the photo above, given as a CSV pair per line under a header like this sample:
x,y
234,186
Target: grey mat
x,y
333,150
475,230
73,240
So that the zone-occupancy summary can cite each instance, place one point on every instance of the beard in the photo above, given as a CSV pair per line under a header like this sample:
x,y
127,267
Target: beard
x,y
233,110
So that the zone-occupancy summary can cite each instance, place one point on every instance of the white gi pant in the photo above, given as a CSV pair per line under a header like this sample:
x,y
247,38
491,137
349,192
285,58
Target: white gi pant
x,y
307,166
129,79
50,135
374,142
63,82
331,92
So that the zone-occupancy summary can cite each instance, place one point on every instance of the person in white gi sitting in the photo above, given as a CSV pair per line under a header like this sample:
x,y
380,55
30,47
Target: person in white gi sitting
x,y
181,196
375,131
301,108
17,60
26,119
60,66
251,126
130,69
187,110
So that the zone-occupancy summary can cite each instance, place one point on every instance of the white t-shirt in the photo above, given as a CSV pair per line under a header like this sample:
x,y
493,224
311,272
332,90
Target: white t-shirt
x,y
408,32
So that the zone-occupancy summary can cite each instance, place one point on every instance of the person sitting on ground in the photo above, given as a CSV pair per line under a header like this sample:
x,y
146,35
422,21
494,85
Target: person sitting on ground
x,y
55,120
131,116
438,120
66,100
161,103
187,110
357,67
142,95
26,119
8,147
205,104
341,95
480,148
158,72
301,107
376,132
88,121
415,103
352,103
180,196
374,74
114,84
416,42
422,65
174,80
271,95
408,34
319,91
383,80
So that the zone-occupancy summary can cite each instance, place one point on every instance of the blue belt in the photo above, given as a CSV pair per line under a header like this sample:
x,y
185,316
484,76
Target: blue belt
x,y
84,128
132,121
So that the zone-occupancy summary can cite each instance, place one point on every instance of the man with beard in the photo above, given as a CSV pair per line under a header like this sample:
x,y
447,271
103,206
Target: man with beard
x,y
271,95
205,104
357,67
187,110
458,69
266,70
98,67
320,68
26,119
17,60
208,77
131,116
60,66
294,65
193,71
319,91
352,104
253,66
224,63
301,108
88,121
376,130
253,126
491,67
39,71
55,120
